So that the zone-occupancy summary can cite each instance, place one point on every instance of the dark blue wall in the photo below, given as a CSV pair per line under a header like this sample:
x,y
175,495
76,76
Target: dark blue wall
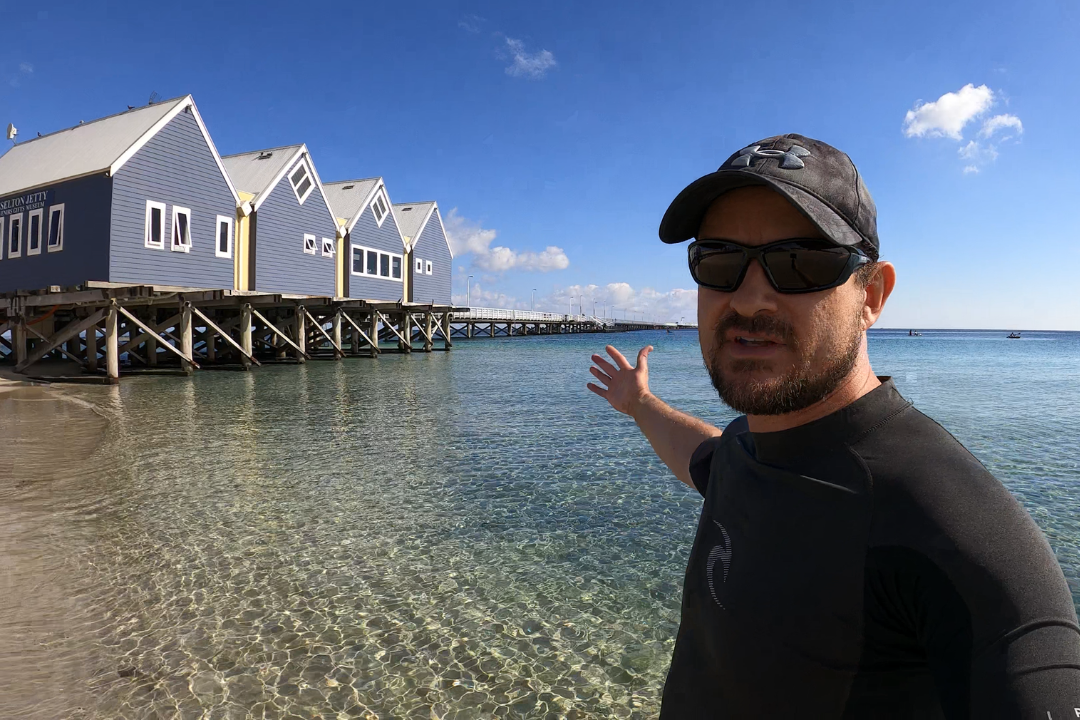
x,y
367,233
432,245
85,253
281,265
175,167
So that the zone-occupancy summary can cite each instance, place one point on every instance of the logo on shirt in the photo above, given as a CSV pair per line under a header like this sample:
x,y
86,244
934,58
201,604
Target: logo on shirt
x,y
722,553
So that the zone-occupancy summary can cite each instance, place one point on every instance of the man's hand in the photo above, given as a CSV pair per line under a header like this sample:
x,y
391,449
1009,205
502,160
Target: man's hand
x,y
624,386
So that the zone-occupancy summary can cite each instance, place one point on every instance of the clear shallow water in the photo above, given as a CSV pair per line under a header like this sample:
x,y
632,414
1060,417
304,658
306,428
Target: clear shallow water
x,y
457,535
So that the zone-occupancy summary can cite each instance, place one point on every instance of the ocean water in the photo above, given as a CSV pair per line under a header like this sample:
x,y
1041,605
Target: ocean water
x,y
456,535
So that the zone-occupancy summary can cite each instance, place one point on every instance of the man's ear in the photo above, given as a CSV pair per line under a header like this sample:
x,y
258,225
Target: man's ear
x,y
878,290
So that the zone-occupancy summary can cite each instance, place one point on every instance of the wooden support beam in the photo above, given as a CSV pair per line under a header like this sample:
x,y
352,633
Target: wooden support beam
x,y
225,336
245,334
357,334
337,333
446,330
374,338
318,325
210,340
389,326
429,342
158,328
112,347
18,340
301,333
187,342
146,328
275,332
56,341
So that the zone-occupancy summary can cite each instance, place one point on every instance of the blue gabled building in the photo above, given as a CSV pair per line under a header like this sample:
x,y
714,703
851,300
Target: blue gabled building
x,y
375,267
428,252
141,197
290,242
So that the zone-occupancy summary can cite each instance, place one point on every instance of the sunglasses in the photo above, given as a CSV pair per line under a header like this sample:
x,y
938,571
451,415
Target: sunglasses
x,y
796,265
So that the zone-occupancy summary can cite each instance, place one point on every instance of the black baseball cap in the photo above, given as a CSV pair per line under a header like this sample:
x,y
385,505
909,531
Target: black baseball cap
x,y
819,180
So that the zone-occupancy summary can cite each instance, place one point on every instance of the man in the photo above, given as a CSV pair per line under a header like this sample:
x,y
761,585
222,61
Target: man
x,y
852,559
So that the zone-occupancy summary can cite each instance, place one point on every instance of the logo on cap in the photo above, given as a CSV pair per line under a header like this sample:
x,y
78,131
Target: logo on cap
x,y
789,159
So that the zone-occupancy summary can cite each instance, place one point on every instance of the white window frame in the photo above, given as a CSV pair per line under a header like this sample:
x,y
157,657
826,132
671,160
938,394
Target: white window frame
x,y
327,243
310,248
428,267
147,242
7,239
419,266
3,237
182,247
40,215
53,210
375,207
378,253
311,180
217,236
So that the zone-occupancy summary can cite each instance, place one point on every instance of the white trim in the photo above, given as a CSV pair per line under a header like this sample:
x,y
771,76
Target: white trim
x,y
423,224
305,166
419,266
379,185
378,266
182,246
442,227
314,247
3,238
374,204
40,214
7,238
188,101
147,242
291,164
53,210
428,267
217,237
327,243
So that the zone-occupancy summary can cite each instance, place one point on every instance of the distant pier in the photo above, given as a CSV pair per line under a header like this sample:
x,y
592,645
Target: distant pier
x,y
496,322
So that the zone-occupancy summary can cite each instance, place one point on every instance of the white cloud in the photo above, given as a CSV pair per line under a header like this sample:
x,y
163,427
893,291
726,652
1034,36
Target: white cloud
x,y
999,122
948,115
968,169
623,300
467,236
471,23
526,64
27,68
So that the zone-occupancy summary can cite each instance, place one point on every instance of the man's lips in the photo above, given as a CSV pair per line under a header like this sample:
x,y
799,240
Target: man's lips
x,y
752,339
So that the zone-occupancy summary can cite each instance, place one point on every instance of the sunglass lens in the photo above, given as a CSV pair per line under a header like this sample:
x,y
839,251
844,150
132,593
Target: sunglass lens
x,y
804,268
718,267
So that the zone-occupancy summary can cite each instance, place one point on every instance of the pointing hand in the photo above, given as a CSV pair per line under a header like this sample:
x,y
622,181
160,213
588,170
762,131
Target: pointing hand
x,y
624,386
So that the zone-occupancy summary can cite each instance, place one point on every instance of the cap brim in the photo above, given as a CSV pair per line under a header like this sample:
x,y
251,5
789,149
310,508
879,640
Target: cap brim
x,y
683,216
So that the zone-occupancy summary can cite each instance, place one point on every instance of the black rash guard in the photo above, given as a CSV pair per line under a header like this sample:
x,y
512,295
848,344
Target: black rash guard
x,y
866,565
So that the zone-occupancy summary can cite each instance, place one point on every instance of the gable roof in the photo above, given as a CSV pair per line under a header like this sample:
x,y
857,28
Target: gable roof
x,y
412,218
99,146
259,172
349,198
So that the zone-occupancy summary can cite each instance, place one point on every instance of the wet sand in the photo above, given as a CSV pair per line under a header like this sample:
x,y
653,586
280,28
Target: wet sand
x,y
48,438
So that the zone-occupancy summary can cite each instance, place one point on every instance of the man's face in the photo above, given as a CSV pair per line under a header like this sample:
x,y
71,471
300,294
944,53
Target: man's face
x,y
770,353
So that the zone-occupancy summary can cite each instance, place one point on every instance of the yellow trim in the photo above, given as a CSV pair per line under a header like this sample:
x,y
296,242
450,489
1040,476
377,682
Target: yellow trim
x,y
341,265
242,245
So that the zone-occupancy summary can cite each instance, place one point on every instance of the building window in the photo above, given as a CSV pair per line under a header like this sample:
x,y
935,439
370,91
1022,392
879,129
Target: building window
x,y
379,208
15,235
427,268
2,238
56,228
377,263
309,244
181,229
155,225
33,231
327,247
302,184
223,249
419,265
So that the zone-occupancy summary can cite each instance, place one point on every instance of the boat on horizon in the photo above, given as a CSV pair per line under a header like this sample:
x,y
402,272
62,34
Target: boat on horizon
x,y
1013,335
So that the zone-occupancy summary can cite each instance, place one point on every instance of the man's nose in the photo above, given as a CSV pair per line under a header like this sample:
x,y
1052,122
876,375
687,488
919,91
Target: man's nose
x,y
755,294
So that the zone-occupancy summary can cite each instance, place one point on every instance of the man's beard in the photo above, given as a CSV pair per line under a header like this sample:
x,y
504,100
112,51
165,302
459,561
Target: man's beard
x,y
801,387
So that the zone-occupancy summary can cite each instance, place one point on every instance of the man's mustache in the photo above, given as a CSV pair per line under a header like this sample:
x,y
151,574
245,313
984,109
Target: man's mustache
x,y
756,325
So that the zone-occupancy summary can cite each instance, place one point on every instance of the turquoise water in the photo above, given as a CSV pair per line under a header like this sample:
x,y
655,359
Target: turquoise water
x,y
455,535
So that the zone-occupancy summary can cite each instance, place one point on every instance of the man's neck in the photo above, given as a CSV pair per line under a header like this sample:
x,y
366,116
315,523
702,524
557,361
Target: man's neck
x,y
859,382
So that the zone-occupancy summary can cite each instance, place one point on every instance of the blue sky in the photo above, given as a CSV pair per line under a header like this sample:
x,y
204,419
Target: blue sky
x,y
553,135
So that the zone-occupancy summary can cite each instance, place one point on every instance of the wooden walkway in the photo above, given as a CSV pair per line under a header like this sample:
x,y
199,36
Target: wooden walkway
x,y
108,329
497,322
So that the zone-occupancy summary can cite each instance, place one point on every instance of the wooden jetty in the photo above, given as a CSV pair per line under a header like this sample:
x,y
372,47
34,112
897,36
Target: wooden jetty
x,y
110,329
497,322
